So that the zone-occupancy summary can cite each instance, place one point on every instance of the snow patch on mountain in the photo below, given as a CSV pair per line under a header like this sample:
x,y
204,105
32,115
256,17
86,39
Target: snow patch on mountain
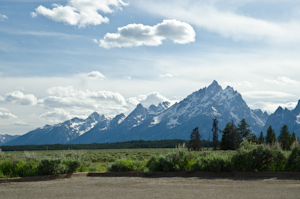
x,y
173,122
298,119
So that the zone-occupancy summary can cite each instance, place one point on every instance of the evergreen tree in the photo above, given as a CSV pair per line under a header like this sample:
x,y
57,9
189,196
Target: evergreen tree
x,y
215,130
261,138
231,137
293,138
284,137
195,142
271,136
244,128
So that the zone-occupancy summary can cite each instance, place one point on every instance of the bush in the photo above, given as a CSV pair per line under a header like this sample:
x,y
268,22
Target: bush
x,y
125,165
52,167
260,158
217,163
21,168
213,163
171,162
58,166
246,145
294,160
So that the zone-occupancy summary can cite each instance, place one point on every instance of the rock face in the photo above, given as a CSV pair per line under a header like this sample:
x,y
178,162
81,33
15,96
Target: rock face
x,y
281,117
155,123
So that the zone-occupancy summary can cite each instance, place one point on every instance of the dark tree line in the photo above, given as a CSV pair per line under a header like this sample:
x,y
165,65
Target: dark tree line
x,y
233,135
117,145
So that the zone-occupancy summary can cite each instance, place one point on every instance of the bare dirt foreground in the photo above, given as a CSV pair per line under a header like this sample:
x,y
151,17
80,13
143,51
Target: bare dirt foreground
x,y
144,188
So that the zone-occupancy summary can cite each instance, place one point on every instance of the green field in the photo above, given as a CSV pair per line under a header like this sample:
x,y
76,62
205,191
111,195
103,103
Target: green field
x,y
247,158
99,159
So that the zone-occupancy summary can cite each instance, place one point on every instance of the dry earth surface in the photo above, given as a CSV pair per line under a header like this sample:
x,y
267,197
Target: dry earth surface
x,y
164,187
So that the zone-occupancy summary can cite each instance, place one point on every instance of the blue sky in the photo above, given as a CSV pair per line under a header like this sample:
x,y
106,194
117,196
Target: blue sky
x,y
68,58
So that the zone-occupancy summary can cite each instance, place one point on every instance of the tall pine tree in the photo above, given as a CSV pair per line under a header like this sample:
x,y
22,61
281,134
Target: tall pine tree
x,y
231,137
261,138
244,128
293,138
195,142
271,136
215,130
284,138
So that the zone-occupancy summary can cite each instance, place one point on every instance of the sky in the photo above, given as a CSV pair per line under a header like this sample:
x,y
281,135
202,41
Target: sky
x,y
61,59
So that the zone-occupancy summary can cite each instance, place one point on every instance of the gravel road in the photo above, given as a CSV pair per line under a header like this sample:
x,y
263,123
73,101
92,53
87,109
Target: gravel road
x,y
144,188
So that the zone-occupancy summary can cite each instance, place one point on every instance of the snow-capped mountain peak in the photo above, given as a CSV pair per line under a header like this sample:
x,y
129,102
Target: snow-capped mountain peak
x,y
154,110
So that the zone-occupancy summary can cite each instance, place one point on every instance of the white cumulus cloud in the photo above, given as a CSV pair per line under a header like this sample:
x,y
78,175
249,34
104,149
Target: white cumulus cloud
x,y
3,17
70,97
18,97
80,13
96,75
5,114
57,115
33,14
139,34
147,100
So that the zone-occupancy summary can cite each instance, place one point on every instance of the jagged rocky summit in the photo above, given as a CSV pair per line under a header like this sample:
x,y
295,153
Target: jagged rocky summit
x,y
281,117
164,121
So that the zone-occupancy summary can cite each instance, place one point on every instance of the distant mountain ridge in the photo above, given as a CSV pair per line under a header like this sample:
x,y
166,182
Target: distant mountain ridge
x,y
281,117
162,121
59,133
6,138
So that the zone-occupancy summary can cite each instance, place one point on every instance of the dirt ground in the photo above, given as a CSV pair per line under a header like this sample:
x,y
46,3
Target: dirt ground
x,y
144,188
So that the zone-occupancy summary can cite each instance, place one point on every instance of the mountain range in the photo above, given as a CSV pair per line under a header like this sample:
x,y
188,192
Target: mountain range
x,y
164,121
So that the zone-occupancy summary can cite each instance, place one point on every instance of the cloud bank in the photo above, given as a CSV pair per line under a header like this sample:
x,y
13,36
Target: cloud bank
x,y
282,81
80,13
69,97
143,35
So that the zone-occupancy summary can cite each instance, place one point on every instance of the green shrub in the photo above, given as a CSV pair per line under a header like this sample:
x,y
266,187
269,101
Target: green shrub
x,y
212,163
72,165
294,160
59,166
217,163
26,168
7,168
21,168
246,145
260,158
180,160
125,165
52,167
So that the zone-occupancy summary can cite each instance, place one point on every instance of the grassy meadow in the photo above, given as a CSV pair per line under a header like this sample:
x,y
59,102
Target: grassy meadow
x,y
246,158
